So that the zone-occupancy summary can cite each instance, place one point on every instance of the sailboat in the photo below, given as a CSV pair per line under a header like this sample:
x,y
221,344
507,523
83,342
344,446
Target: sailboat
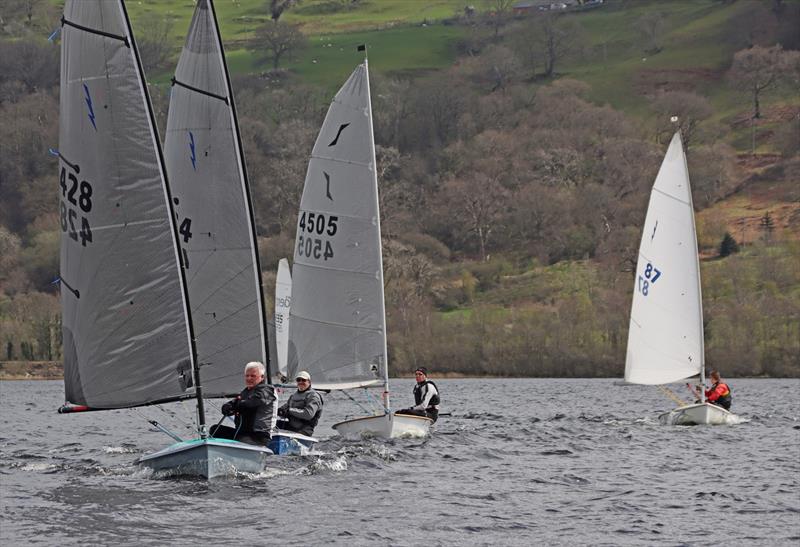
x,y
665,338
129,338
337,328
283,305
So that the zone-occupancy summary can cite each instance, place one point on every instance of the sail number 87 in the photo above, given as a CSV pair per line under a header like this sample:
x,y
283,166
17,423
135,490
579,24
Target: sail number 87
x,y
650,276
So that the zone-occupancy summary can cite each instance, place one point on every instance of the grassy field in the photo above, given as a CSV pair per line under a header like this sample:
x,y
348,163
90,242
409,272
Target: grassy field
x,y
400,34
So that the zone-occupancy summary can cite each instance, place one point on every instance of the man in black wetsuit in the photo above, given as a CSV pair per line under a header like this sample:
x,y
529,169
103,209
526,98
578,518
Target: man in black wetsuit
x,y
253,408
426,397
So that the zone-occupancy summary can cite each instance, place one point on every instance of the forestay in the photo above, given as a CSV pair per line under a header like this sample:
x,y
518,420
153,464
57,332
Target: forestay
x,y
125,328
665,340
337,326
283,304
212,205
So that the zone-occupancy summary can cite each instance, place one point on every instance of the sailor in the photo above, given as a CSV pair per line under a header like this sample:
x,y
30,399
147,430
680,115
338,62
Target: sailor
x,y
426,397
302,411
253,408
719,393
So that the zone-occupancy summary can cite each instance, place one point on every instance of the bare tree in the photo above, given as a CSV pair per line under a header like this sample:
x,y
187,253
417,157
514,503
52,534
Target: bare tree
x,y
277,7
651,27
279,40
476,202
155,45
498,13
758,70
691,109
558,37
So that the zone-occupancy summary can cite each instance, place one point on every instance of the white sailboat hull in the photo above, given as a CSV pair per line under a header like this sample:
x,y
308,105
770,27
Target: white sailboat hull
x,y
207,458
697,414
385,426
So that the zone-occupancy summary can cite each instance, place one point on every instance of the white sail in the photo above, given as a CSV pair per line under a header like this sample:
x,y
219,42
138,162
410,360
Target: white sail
x,y
212,204
337,327
665,339
127,336
283,304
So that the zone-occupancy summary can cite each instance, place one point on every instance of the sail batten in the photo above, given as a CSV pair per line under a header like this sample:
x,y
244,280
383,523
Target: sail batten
x,y
208,177
665,337
125,323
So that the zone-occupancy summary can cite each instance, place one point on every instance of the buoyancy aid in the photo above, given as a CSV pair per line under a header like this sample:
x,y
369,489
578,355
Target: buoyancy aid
x,y
720,395
419,394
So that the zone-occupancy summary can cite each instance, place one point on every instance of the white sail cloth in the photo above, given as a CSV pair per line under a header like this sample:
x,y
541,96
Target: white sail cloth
x,y
337,326
665,339
211,201
125,328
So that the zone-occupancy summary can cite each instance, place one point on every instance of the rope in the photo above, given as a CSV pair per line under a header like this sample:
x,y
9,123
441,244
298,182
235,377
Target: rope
x,y
672,395
356,402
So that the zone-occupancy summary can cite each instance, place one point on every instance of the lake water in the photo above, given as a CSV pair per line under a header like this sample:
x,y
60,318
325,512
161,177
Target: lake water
x,y
520,462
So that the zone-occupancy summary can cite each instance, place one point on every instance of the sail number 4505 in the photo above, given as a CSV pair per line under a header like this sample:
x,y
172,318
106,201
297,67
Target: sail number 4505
x,y
316,224
648,278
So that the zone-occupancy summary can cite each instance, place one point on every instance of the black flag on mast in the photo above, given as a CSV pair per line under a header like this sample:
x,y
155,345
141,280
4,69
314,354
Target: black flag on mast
x,y
362,47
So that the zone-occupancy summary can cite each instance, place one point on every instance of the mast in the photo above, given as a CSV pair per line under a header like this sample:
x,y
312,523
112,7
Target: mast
x,y
386,403
699,283
201,416
247,195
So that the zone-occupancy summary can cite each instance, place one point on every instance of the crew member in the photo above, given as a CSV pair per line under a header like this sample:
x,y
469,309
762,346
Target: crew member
x,y
253,408
719,393
302,411
426,397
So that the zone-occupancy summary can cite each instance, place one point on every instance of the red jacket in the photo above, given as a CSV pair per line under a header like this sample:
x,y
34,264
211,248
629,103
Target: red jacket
x,y
717,390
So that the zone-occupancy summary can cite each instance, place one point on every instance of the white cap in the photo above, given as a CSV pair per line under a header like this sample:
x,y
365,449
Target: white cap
x,y
303,374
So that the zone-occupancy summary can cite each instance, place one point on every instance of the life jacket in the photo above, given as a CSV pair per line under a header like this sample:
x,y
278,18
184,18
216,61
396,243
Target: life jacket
x,y
418,394
725,399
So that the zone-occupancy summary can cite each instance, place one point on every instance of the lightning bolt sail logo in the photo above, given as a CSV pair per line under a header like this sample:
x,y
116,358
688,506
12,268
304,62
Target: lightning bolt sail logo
x,y
654,232
328,185
193,157
89,105
338,134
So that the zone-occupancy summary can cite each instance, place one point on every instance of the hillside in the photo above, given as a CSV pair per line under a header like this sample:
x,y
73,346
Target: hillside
x,y
561,146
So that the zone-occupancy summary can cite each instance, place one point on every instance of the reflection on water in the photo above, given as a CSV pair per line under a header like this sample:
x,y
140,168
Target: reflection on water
x,y
519,462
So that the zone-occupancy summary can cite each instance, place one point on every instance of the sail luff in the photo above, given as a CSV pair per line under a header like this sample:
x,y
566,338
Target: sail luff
x,y
697,266
198,386
247,195
386,403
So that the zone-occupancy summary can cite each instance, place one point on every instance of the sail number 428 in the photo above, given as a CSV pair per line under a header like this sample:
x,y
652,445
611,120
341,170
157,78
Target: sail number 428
x,y
648,278
75,196
318,224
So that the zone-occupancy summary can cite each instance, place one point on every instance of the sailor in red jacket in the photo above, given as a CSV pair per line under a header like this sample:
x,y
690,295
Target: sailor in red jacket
x,y
719,393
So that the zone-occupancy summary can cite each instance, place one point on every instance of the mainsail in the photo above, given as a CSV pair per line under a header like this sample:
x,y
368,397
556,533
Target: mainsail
x,y
665,339
211,198
127,335
337,325
283,305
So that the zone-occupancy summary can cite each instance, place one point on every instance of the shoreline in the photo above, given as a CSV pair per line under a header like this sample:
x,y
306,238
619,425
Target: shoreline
x,y
53,370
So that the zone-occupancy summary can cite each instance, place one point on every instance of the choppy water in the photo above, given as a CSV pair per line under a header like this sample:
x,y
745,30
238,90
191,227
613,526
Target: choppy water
x,y
520,462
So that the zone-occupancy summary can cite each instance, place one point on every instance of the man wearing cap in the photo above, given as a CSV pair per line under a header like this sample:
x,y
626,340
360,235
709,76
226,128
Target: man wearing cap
x,y
426,397
253,408
302,411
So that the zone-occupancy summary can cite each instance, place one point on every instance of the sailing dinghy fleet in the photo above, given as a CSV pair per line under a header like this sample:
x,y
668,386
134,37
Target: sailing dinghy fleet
x,y
162,299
